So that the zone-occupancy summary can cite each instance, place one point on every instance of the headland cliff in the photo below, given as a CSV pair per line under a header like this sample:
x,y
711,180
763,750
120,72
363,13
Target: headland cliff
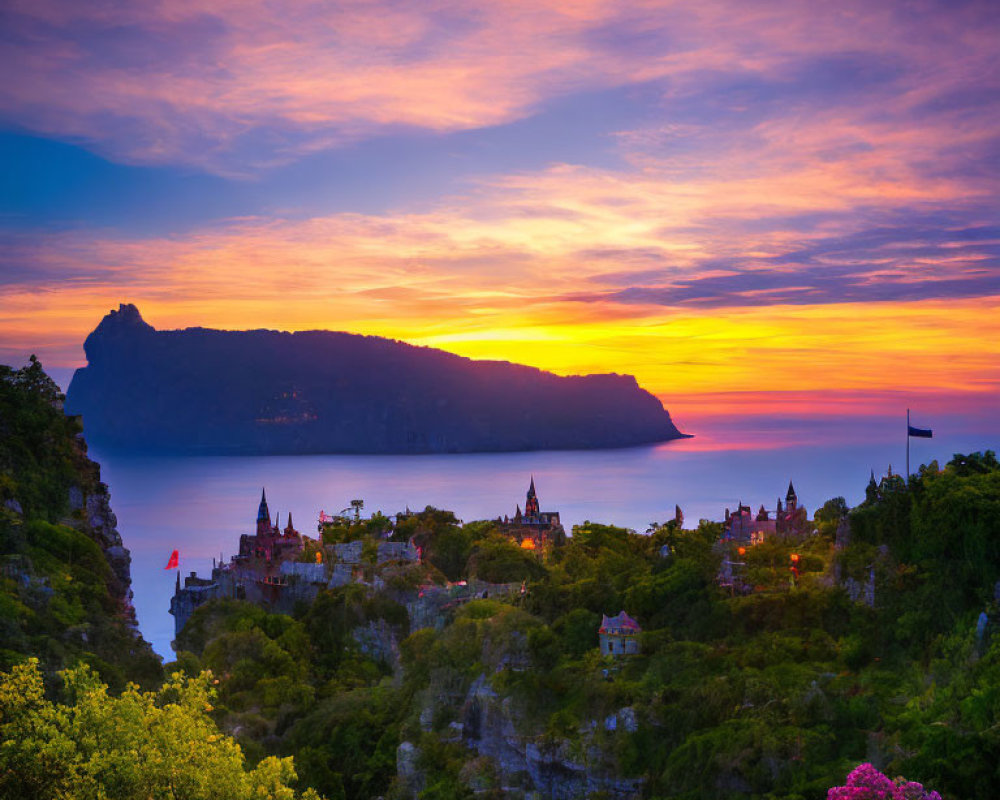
x,y
267,392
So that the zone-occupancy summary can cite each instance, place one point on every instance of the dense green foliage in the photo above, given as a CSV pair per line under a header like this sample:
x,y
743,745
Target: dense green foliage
x,y
59,598
39,459
778,692
302,686
881,645
135,746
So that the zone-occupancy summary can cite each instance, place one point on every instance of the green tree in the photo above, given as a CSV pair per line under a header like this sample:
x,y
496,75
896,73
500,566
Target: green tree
x,y
138,745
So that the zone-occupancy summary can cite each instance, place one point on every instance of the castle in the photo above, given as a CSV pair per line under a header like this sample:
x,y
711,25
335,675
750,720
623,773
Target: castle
x,y
271,569
270,543
743,526
534,529
265,571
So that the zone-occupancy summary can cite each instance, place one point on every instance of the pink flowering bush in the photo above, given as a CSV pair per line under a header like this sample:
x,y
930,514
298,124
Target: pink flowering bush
x,y
867,783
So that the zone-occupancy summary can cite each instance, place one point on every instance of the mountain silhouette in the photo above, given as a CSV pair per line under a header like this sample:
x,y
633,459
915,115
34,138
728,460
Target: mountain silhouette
x,y
267,392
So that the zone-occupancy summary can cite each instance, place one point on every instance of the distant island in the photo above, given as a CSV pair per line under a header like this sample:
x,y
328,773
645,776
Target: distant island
x,y
259,392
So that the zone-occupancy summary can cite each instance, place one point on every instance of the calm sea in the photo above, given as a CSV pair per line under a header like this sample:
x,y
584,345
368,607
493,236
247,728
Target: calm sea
x,y
200,506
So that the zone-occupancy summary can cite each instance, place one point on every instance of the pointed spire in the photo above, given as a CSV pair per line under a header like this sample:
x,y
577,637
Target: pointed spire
x,y
177,585
531,508
791,492
263,515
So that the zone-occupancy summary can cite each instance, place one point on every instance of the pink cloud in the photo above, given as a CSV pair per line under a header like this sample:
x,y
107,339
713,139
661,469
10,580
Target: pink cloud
x,y
194,83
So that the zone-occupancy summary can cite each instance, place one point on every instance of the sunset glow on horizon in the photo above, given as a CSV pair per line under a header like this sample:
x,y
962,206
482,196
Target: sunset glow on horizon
x,y
764,209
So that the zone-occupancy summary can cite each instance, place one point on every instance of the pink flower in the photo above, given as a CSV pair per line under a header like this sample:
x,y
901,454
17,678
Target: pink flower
x,y
867,783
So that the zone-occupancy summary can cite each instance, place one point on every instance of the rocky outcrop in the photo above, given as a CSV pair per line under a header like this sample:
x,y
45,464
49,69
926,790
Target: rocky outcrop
x,y
523,764
380,641
103,526
409,776
210,391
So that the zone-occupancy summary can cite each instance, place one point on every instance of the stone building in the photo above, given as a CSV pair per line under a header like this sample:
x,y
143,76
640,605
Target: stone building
x,y
743,526
397,551
534,529
265,572
270,543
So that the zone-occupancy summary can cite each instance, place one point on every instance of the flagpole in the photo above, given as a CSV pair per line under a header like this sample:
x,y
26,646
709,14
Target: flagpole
x,y
907,445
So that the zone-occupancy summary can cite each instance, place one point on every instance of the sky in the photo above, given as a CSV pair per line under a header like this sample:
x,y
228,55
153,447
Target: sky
x,y
773,214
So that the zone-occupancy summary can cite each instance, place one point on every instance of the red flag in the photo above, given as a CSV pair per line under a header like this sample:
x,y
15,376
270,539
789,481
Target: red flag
x,y
173,562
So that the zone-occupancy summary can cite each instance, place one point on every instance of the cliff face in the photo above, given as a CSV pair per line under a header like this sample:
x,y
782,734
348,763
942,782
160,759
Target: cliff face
x,y
210,391
67,589
517,761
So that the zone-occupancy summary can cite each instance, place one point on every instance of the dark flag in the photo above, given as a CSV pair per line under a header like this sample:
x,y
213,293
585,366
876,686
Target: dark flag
x,y
920,433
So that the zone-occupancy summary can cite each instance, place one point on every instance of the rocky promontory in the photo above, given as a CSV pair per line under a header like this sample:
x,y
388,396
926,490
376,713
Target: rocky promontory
x,y
65,582
260,392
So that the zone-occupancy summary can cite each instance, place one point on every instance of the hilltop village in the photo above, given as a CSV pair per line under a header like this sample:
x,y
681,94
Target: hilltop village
x,y
278,568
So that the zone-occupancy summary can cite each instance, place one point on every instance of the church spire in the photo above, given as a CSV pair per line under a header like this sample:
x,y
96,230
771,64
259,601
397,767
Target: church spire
x,y
263,515
791,501
531,507
871,491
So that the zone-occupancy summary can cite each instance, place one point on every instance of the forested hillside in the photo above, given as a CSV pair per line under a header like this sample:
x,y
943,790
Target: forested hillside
x,y
872,638
778,690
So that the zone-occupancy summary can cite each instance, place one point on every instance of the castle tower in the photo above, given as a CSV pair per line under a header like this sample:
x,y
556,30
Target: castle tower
x,y
263,516
791,501
289,529
871,491
531,509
